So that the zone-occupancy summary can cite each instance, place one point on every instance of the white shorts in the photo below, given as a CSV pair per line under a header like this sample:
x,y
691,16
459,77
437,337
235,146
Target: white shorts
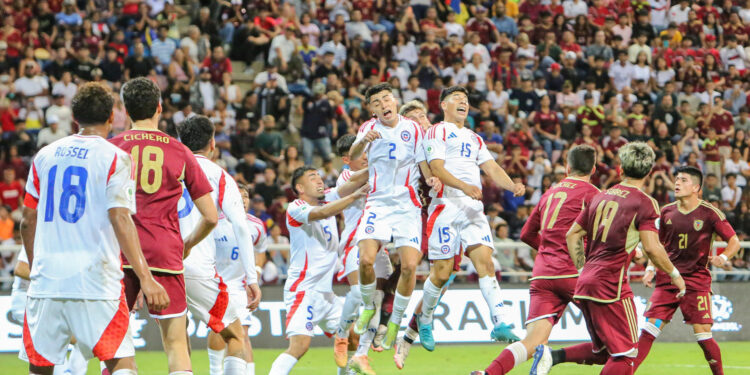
x,y
238,296
101,328
17,304
309,308
456,223
349,262
404,226
209,301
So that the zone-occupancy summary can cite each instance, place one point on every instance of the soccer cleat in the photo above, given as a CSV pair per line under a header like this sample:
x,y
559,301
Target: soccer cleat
x,y
390,335
502,333
402,351
361,365
377,341
339,351
425,336
363,321
542,361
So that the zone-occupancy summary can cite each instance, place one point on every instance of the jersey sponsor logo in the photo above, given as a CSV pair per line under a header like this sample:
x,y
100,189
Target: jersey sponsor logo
x,y
369,229
405,136
452,135
445,249
415,240
486,238
697,224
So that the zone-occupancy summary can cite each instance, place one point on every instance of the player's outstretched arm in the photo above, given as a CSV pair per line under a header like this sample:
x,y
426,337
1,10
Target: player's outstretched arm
x,y
354,182
574,238
722,260
501,178
127,237
658,255
209,219
28,232
437,166
359,147
334,208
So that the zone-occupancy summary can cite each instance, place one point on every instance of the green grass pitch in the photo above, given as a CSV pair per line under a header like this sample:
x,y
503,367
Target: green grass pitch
x,y
664,359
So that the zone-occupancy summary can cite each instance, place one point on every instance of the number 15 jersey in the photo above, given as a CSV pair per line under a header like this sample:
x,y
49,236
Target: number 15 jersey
x,y
161,165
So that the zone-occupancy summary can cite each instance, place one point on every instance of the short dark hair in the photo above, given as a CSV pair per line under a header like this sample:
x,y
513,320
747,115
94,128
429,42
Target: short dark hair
x,y
141,98
298,173
453,89
92,104
196,132
376,89
344,144
693,172
581,160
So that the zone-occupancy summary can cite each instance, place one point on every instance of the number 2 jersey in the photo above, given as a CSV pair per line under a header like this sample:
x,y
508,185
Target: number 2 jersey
x,y
72,184
162,165
688,238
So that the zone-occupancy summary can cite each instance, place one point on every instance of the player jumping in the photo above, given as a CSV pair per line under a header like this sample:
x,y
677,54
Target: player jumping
x,y
554,276
313,235
686,229
207,294
613,224
76,221
162,166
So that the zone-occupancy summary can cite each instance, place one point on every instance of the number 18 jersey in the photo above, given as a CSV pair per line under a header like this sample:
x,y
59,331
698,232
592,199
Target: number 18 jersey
x,y
72,184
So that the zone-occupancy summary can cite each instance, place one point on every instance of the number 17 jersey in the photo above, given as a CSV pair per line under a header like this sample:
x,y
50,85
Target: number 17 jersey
x,y
161,165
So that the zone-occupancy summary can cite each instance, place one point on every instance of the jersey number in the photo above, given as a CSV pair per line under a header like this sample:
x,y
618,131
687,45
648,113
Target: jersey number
x,y
392,147
370,217
328,233
702,303
466,149
235,253
70,189
188,204
682,244
152,160
605,214
561,196
444,235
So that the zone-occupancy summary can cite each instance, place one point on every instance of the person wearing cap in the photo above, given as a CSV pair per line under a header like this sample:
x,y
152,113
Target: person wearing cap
x,y
318,126
50,133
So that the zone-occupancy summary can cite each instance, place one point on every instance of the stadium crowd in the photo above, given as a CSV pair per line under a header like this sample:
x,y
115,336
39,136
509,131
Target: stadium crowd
x,y
284,80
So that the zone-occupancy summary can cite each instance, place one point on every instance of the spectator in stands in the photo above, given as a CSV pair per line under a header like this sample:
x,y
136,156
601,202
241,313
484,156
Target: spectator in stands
x,y
269,141
317,125
11,192
138,64
163,48
51,133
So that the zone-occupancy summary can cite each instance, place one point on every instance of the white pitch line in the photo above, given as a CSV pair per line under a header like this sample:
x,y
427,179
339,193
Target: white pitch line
x,y
706,365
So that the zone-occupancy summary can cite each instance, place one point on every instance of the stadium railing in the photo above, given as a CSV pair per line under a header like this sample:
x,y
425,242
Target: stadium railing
x,y
8,250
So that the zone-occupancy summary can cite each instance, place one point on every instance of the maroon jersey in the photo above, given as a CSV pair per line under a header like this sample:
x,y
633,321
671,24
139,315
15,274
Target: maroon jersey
x,y
612,222
547,121
688,238
162,164
550,221
722,123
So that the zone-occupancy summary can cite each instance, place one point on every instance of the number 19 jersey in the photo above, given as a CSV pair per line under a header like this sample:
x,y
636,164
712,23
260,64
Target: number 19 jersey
x,y
162,165
73,183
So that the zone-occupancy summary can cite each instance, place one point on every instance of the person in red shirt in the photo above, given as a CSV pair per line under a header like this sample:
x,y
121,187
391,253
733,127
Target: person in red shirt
x,y
13,37
217,65
162,165
11,190
483,26
723,122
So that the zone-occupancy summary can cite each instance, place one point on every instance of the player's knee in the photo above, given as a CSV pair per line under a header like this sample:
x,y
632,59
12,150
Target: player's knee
x,y
366,260
409,266
442,271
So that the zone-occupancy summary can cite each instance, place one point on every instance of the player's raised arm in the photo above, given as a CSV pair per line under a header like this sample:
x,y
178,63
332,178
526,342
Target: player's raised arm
x,y
335,207
354,182
574,239
658,255
364,138
501,178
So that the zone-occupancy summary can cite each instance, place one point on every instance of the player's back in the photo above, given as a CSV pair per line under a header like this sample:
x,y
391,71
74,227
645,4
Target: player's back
x,y
612,222
557,211
227,252
73,183
162,164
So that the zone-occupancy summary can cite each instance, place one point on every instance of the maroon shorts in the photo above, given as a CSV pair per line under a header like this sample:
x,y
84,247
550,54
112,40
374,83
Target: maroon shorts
x,y
549,298
612,326
695,306
174,285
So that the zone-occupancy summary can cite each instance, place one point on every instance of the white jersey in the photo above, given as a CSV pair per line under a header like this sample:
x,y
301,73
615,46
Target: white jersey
x,y
463,152
201,263
227,250
352,215
73,183
313,248
394,162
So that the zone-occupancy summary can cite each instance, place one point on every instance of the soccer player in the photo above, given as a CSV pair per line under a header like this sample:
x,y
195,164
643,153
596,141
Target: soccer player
x,y
162,166
207,294
392,209
554,276
457,221
76,221
231,270
686,229
612,225
313,236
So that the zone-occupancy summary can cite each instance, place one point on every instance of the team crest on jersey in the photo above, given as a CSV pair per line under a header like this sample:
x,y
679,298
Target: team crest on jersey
x,y
445,249
697,224
405,136
369,229
309,326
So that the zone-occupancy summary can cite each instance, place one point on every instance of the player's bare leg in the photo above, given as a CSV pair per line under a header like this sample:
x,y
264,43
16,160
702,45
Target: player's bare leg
x,y
481,257
175,340
348,313
298,346
537,333
234,361
368,249
410,258
216,352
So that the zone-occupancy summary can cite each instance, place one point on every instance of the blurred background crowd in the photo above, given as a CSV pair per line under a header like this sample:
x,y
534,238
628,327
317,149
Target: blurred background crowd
x,y
283,80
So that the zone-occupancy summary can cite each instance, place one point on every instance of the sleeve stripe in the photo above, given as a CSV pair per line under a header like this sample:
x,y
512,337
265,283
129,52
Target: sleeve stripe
x,y
222,188
112,168
718,212
36,178
30,201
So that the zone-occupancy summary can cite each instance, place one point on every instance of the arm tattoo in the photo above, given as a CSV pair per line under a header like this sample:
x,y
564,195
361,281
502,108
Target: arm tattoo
x,y
577,254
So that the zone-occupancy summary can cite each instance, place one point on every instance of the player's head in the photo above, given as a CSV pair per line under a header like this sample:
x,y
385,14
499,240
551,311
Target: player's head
x,y
245,193
454,101
382,103
688,181
637,159
197,133
415,110
581,160
92,105
343,145
142,99
306,180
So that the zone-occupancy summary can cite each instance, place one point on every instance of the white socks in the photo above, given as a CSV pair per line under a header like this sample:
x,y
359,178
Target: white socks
x,y
430,299
651,329
125,371
349,311
367,292
519,352
250,368
283,364
399,306
216,361
491,293
234,366
703,336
